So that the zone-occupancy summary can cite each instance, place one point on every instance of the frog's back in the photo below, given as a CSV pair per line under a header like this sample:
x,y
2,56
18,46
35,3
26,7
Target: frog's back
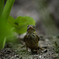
x,y
31,41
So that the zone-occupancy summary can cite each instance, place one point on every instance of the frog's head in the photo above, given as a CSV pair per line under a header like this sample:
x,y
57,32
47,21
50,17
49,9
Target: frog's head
x,y
30,28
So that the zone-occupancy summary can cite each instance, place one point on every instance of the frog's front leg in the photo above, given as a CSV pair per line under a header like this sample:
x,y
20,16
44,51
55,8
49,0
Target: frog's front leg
x,y
26,48
32,51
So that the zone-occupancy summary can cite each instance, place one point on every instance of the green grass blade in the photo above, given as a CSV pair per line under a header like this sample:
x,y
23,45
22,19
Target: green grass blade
x,y
1,6
5,29
7,9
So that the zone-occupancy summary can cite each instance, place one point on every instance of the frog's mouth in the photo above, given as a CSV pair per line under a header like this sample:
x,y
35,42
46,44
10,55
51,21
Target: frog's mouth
x,y
30,29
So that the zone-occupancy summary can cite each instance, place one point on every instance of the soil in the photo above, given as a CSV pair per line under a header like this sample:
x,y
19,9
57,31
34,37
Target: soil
x,y
18,51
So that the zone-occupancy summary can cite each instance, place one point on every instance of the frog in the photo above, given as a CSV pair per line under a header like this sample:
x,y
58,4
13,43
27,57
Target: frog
x,y
31,39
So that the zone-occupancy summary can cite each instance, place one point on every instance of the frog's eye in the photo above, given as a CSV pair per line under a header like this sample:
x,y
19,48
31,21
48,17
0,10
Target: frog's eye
x,y
33,27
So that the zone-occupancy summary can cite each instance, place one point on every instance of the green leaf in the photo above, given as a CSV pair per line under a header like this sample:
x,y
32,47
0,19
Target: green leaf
x,y
20,24
23,22
11,21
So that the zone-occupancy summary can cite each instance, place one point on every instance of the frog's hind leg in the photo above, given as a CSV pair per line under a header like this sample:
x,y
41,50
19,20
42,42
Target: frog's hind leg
x,y
26,48
34,51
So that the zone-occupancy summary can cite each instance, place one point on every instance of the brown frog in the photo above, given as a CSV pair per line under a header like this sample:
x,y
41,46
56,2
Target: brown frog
x,y
31,39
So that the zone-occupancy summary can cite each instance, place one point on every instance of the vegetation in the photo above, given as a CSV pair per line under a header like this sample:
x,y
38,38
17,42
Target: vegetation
x,y
9,25
5,28
20,23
